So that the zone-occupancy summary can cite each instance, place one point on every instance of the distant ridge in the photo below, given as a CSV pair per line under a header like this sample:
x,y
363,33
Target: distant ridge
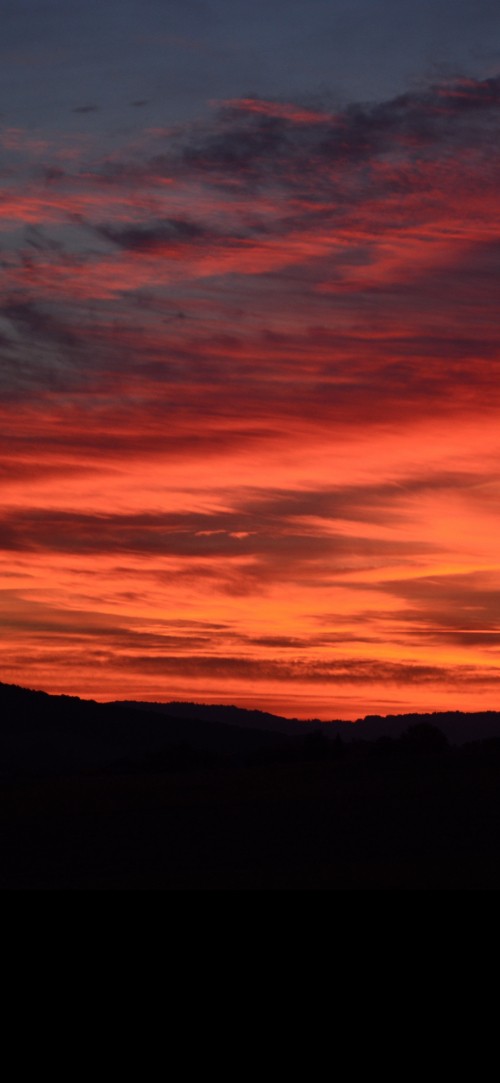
x,y
459,727
37,729
241,717
40,732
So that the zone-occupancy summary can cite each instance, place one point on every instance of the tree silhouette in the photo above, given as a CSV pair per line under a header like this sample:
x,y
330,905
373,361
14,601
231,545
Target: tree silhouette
x,y
424,739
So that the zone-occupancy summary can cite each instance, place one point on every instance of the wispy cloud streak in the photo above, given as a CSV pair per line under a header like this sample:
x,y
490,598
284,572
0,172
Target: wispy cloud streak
x,y
249,372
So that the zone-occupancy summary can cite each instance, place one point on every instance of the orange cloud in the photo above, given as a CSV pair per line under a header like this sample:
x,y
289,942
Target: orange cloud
x,y
249,418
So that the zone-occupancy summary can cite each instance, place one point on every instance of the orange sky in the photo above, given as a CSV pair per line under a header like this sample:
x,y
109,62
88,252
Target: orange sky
x,y
249,440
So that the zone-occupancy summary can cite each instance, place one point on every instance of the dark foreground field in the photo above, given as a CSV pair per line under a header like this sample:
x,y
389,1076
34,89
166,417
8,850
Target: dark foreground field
x,y
292,813
309,825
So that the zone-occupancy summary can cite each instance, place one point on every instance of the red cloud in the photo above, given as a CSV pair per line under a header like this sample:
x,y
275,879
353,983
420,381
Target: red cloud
x,y
283,110
250,382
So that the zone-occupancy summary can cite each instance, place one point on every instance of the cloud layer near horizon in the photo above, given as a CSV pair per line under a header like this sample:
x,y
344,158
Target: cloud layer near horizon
x,y
249,439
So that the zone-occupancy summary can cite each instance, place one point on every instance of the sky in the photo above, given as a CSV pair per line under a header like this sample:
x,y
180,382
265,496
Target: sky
x,y
249,349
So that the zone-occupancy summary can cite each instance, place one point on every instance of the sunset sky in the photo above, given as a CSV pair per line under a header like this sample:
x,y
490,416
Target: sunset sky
x,y
249,352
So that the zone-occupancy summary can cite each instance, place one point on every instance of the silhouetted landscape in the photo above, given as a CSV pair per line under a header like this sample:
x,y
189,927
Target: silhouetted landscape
x,y
249,445
191,797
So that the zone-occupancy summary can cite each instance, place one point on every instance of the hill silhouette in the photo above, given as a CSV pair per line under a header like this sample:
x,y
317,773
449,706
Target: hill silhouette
x,y
240,717
107,796
39,733
457,726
